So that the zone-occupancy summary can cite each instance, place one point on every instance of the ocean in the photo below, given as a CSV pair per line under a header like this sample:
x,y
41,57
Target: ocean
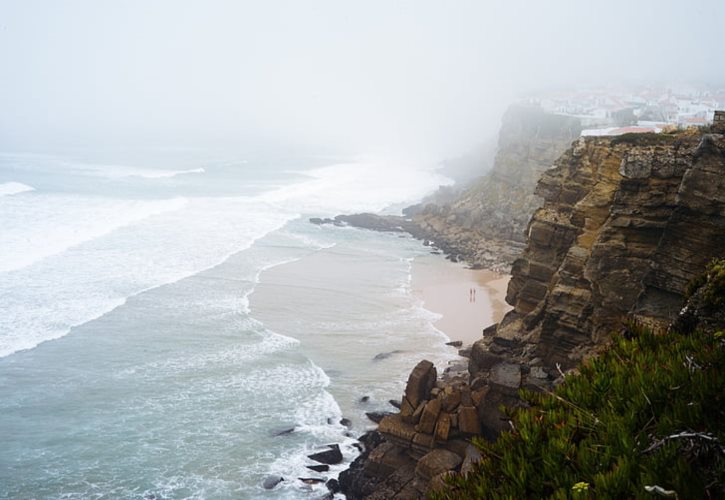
x,y
164,324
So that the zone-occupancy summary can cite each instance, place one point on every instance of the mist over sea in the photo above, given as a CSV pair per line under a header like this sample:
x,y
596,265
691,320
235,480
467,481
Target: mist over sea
x,y
136,359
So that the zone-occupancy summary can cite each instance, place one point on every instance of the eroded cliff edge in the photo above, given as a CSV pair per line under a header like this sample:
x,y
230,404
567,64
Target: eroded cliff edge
x,y
626,223
485,226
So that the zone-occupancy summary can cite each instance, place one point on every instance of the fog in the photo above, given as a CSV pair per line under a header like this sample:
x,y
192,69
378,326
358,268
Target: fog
x,y
423,78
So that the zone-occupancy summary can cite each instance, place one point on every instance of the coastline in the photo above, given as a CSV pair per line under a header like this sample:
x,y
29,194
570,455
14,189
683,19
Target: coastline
x,y
444,287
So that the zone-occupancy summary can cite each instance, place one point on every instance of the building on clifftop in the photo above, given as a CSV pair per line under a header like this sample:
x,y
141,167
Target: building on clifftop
x,y
718,121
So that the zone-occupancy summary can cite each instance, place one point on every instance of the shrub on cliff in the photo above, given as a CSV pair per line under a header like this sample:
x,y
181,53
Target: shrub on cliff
x,y
644,418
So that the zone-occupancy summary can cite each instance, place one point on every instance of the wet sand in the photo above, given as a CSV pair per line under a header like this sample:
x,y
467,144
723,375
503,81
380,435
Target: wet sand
x,y
445,288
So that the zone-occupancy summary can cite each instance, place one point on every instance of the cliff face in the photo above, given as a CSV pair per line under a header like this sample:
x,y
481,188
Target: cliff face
x,y
626,223
486,224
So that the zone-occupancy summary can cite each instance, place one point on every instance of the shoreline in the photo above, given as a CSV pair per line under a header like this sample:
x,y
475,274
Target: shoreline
x,y
445,289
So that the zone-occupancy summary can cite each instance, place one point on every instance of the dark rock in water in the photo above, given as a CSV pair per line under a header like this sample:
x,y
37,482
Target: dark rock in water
x,y
319,221
455,343
353,482
330,457
358,446
346,422
377,416
319,468
311,480
330,421
365,399
333,485
394,403
386,355
272,481
283,432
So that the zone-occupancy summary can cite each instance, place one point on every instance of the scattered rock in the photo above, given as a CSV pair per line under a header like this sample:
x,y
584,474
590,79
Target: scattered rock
x,y
418,412
333,485
377,416
319,468
394,403
346,422
365,399
283,432
330,457
451,399
272,481
468,420
507,376
311,480
443,427
420,382
386,355
435,462
429,416
455,343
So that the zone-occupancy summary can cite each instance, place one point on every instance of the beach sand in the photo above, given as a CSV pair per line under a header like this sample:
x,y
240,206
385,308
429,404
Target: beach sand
x,y
445,287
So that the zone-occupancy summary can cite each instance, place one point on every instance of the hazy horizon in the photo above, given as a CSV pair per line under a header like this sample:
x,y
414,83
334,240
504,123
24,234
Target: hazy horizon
x,y
423,79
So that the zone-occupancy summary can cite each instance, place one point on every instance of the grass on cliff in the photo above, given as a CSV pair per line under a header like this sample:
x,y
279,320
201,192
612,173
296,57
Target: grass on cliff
x,y
644,419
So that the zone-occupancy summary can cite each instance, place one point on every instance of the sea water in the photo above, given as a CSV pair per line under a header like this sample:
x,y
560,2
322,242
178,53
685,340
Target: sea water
x,y
142,352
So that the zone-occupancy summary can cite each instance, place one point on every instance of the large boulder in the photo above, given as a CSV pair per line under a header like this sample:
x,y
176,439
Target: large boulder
x,y
429,417
332,456
420,382
436,462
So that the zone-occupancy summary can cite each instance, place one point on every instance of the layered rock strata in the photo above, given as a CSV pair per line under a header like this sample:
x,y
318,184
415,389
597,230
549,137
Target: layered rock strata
x,y
626,223
486,225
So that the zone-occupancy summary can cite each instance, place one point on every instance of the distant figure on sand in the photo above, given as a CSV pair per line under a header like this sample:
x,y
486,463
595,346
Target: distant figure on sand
x,y
474,295
470,295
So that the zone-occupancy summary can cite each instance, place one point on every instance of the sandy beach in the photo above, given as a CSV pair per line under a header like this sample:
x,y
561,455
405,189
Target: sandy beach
x,y
445,288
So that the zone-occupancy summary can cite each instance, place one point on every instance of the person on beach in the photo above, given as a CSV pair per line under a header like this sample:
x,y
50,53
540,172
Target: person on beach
x,y
474,295
470,295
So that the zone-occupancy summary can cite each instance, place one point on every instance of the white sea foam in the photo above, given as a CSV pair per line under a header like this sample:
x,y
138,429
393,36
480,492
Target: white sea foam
x,y
116,171
156,173
10,188
357,187
58,276
31,230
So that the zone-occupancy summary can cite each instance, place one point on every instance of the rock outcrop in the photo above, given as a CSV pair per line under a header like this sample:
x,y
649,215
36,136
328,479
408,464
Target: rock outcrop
x,y
486,225
626,223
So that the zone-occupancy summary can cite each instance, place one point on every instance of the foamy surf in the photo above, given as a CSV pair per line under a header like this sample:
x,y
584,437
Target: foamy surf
x,y
10,188
49,225
179,383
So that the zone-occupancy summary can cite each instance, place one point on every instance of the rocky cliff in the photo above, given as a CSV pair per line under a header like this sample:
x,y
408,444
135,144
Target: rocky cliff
x,y
626,223
486,224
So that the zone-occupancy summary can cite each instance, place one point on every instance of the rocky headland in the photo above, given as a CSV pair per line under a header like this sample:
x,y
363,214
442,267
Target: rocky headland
x,y
626,223
484,225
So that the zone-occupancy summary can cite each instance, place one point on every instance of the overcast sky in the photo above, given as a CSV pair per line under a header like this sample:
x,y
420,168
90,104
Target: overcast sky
x,y
418,77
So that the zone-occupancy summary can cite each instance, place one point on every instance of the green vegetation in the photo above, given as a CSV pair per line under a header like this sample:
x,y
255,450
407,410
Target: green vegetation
x,y
644,419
